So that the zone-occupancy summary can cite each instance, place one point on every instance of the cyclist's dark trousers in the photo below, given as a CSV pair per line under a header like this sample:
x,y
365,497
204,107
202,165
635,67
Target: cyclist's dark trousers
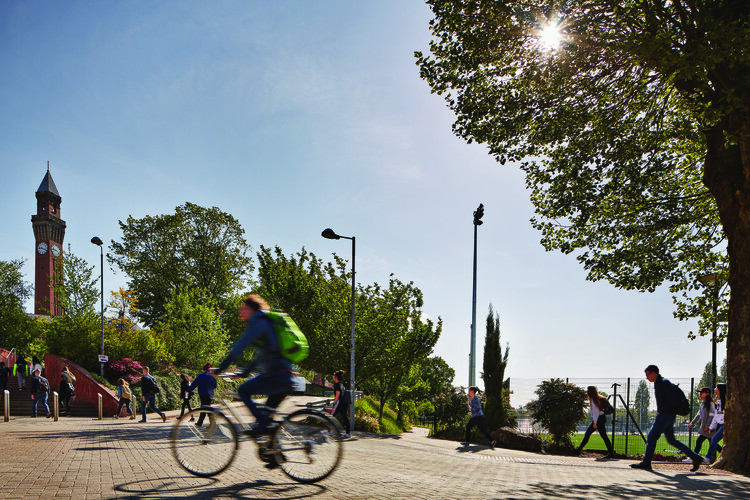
x,y
276,385
342,413
205,401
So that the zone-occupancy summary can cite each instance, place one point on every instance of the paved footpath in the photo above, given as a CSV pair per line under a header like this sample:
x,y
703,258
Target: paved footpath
x,y
84,458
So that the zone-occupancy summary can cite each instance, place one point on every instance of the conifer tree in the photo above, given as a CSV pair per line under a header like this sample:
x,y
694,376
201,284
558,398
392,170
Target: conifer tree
x,y
496,387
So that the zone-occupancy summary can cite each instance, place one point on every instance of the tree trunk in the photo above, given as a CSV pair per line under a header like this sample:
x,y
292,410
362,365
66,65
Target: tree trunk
x,y
727,176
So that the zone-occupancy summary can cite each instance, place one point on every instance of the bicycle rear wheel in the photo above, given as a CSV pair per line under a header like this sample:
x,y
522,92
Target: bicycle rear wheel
x,y
307,446
207,450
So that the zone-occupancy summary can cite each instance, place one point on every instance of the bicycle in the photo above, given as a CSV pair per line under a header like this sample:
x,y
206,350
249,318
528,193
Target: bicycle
x,y
305,444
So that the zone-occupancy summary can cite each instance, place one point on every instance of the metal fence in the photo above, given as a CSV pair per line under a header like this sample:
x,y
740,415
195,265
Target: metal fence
x,y
634,412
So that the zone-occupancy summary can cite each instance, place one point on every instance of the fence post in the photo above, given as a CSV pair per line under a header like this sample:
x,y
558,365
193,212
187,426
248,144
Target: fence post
x,y
690,398
55,402
6,405
100,406
627,422
614,413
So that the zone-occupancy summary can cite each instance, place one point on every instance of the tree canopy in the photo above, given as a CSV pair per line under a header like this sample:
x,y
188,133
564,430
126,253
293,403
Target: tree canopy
x,y
196,247
12,285
634,137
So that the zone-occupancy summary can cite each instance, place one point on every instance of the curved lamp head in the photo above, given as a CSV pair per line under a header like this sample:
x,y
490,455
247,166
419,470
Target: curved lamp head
x,y
97,241
328,233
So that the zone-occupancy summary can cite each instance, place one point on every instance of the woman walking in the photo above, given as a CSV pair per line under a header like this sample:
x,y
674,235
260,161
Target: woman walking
x,y
185,394
125,395
598,408
717,424
703,419
477,417
67,388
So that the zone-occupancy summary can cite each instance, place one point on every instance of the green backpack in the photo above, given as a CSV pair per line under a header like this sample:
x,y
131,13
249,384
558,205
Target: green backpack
x,y
292,342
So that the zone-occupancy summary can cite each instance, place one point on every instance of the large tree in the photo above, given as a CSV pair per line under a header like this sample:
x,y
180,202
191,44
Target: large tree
x,y
13,288
196,247
634,134
496,386
391,333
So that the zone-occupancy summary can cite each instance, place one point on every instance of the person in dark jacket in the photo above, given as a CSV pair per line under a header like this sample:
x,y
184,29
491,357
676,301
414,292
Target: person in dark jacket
x,y
206,383
19,369
666,403
149,387
67,388
39,392
341,403
185,394
4,374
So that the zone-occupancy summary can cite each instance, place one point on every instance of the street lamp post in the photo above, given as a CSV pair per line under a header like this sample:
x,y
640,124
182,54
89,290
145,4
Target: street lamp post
x,y
478,214
714,281
98,242
329,233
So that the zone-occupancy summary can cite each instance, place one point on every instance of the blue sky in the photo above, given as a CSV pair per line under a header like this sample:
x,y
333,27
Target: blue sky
x,y
295,116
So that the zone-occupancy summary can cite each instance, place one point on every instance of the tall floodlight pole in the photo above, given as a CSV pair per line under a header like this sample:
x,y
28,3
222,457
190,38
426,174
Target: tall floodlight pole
x,y
478,214
330,234
714,281
98,242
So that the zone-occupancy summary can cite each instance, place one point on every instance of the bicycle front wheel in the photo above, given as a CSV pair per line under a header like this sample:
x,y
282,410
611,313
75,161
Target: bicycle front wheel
x,y
307,446
208,449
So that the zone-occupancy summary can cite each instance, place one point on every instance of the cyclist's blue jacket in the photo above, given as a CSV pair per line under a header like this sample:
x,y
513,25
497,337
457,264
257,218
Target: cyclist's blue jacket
x,y
259,334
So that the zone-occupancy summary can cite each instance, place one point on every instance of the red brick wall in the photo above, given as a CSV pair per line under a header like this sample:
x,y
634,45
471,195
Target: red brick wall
x,y
87,389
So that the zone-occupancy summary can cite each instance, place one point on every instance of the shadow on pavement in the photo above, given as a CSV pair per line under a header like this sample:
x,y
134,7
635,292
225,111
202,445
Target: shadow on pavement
x,y
209,488
689,486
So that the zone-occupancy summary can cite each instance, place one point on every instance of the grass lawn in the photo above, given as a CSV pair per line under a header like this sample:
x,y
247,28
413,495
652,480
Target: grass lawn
x,y
636,446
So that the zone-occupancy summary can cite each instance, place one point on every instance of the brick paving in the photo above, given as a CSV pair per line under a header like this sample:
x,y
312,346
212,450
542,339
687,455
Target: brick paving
x,y
81,458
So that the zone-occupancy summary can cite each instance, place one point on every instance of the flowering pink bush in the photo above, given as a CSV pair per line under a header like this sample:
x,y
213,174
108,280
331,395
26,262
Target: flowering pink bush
x,y
124,368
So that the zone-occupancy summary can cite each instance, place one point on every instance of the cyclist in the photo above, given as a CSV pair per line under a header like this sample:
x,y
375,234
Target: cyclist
x,y
275,377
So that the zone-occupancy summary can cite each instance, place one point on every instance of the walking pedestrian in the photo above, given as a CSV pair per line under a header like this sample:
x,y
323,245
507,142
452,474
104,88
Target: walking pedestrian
x,y
717,424
67,388
599,408
19,370
125,396
36,365
4,374
205,383
666,413
185,394
39,392
477,417
341,403
703,420
149,388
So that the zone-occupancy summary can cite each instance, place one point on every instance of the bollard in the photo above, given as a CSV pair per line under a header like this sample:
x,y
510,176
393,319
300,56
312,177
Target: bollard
x,y
56,402
100,406
6,406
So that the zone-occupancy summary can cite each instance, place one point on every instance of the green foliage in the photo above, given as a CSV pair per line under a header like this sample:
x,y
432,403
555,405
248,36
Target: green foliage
x,y
13,288
451,408
366,415
196,247
642,402
78,293
391,334
17,329
559,408
191,329
496,387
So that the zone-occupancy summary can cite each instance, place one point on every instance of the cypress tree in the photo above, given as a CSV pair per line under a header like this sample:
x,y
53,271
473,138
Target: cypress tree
x,y
496,387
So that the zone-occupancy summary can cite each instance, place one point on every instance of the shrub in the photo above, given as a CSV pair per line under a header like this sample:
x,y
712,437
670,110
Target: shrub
x,y
559,409
365,422
124,368
451,408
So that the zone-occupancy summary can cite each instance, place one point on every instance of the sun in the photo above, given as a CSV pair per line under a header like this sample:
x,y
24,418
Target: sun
x,y
550,36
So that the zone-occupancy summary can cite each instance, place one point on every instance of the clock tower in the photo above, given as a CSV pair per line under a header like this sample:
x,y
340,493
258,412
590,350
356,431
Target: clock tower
x,y
49,231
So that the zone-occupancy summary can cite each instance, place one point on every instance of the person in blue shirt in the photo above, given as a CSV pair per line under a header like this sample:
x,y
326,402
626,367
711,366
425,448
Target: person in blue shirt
x,y
206,383
477,417
274,371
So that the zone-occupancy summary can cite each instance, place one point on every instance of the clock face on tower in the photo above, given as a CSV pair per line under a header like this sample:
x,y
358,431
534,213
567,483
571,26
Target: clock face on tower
x,y
56,250
41,248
